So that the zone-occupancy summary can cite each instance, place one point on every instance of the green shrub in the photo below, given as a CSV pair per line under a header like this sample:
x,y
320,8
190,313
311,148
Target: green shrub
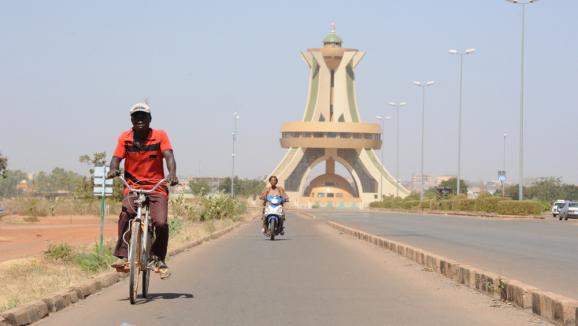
x,y
176,225
183,207
89,261
445,204
28,206
516,207
93,261
488,204
376,204
387,204
60,252
410,204
220,206
426,204
463,204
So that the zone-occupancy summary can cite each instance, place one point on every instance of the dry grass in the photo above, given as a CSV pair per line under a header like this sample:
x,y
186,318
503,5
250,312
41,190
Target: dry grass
x,y
39,207
26,280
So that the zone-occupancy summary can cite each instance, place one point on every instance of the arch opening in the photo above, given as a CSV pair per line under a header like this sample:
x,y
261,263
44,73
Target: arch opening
x,y
331,180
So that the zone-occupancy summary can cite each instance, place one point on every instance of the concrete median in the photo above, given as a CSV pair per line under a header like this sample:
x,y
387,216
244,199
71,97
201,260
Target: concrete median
x,y
550,306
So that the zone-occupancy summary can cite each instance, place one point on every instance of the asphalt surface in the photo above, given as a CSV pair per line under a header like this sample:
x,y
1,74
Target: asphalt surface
x,y
542,253
311,276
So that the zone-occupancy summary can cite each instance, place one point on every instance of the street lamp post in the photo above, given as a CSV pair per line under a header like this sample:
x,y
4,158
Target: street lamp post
x,y
523,3
233,155
461,55
423,86
378,117
504,165
397,106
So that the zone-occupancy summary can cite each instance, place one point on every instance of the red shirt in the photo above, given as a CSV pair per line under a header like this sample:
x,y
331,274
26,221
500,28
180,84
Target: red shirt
x,y
143,164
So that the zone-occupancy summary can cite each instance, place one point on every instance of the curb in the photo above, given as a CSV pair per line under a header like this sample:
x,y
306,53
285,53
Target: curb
x,y
306,215
33,312
550,306
458,213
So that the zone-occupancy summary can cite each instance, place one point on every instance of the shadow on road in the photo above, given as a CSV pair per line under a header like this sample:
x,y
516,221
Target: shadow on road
x,y
162,296
169,296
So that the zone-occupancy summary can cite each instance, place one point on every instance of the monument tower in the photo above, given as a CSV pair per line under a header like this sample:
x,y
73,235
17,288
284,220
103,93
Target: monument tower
x,y
332,131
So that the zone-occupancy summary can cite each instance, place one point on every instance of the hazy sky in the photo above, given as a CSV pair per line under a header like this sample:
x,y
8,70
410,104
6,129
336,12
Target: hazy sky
x,y
70,70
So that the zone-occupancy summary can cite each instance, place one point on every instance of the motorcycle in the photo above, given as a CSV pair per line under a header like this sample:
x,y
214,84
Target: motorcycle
x,y
274,215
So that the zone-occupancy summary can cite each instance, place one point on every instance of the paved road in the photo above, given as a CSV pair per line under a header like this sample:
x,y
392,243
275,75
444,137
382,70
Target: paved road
x,y
313,276
543,253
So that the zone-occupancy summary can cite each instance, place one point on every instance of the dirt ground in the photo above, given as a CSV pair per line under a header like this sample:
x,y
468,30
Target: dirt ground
x,y
19,239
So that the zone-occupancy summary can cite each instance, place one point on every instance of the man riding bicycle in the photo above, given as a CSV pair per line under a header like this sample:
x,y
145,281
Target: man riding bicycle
x,y
143,150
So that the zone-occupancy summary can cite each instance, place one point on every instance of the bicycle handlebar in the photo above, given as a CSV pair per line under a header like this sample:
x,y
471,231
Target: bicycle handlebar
x,y
140,191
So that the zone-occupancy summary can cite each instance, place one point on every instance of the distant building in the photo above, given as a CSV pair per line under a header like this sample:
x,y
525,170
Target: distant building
x,y
24,186
416,182
443,178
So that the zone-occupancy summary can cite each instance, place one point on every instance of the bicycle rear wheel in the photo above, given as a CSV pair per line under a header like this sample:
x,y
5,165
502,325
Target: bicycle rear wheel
x,y
134,254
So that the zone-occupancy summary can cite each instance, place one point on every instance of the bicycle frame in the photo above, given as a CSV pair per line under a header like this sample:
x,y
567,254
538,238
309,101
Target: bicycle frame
x,y
144,230
146,222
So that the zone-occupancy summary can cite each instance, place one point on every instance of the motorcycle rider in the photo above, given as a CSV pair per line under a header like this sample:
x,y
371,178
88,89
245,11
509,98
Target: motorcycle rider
x,y
273,190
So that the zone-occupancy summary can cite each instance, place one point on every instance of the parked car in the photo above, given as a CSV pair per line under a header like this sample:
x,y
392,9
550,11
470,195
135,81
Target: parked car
x,y
570,209
2,211
556,206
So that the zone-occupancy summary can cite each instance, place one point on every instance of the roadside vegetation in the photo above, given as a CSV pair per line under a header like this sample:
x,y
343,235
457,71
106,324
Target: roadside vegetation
x,y
243,187
62,266
62,192
482,204
539,195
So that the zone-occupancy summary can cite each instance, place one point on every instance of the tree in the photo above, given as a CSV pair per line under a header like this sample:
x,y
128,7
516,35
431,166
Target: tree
x,y
94,160
9,183
225,186
199,187
59,179
3,165
251,187
451,183
547,189
243,187
97,159
569,192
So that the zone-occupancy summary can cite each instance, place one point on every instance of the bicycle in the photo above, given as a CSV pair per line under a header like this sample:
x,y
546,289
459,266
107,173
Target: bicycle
x,y
141,231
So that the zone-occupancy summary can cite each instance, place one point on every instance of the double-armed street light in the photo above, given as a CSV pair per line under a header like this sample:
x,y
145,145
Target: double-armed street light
x,y
523,4
461,55
423,86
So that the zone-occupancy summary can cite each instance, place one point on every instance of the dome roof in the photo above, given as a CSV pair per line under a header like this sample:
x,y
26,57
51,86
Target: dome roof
x,y
332,38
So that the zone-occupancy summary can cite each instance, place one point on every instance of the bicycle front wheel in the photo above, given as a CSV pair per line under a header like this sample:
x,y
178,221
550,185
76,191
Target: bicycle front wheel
x,y
134,254
145,260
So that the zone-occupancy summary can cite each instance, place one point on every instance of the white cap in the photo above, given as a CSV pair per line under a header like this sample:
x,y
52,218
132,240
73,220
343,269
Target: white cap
x,y
140,107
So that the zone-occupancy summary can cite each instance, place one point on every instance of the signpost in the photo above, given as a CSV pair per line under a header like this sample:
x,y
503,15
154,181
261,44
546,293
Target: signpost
x,y
102,188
